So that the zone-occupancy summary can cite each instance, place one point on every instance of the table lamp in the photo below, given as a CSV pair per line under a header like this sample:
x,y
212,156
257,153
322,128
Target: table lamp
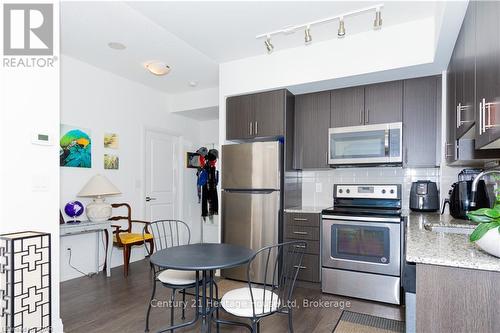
x,y
98,187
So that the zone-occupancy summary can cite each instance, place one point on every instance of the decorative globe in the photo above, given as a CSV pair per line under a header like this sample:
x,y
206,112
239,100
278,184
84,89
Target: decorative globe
x,y
73,209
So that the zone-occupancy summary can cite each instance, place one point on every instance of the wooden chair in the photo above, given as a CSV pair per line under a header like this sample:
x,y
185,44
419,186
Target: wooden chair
x,y
125,238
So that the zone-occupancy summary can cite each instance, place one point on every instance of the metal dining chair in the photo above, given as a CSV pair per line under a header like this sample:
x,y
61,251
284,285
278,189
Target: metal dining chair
x,y
273,295
166,234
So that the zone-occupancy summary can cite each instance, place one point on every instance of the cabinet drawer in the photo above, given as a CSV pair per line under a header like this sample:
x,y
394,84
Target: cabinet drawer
x,y
309,268
312,247
301,232
305,219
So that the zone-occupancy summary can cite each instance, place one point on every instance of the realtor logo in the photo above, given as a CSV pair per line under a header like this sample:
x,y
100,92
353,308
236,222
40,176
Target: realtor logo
x,y
28,29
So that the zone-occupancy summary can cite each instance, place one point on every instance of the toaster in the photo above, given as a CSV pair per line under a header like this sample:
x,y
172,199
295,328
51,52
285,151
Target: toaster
x,y
424,196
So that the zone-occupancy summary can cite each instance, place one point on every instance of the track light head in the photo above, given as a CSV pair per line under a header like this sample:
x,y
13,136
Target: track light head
x,y
307,36
269,45
341,31
377,24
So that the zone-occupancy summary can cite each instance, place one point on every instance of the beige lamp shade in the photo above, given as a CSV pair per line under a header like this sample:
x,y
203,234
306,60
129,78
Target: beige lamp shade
x,y
98,186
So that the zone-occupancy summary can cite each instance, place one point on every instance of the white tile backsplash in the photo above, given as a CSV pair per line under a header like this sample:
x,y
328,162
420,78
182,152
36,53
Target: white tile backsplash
x,y
377,175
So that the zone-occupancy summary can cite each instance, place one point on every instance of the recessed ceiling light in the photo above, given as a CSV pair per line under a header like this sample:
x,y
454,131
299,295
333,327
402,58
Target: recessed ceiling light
x,y
193,83
158,68
117,46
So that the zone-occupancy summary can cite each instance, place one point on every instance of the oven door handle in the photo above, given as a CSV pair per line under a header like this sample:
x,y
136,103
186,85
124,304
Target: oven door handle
x,y
362,218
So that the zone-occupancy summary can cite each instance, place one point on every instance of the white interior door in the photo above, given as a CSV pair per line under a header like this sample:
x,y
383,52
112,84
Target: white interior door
x,y
161,176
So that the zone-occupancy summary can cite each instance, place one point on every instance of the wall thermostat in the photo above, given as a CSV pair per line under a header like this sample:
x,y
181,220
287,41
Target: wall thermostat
x,y
43,139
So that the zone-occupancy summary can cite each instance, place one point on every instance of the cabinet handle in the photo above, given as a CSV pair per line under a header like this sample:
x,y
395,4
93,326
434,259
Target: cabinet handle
x,y
480,118
299,219
251,124
483,112
300,267
361,117
458,114
327,160
300,233
300,246
489,105
406,155
256,127
368,116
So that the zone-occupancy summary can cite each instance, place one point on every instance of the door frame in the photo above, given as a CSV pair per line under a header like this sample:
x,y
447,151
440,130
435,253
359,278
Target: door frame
x,y
178,171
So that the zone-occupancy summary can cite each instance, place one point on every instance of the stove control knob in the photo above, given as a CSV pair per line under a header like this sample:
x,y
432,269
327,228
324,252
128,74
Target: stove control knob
x,y
383,191
348,191
340,191
392,191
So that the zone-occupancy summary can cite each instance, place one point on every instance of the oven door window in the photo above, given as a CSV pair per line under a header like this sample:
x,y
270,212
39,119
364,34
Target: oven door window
x,y
367,144
360,243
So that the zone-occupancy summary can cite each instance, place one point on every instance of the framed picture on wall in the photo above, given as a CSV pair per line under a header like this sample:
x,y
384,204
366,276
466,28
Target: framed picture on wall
x,y
75,147
192,160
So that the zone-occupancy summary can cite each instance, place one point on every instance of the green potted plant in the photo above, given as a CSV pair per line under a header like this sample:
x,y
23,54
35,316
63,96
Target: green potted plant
x,y
487,233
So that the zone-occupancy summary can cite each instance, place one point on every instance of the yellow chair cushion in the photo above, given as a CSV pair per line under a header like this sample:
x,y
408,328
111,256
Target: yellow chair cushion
x,y
128,238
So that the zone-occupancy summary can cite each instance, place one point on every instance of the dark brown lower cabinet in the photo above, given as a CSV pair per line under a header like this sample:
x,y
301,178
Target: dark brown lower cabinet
x,y
454,300
306,227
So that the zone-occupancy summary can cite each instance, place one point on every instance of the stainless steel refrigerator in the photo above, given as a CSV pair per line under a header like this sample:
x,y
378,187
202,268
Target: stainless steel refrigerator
x,y
251,199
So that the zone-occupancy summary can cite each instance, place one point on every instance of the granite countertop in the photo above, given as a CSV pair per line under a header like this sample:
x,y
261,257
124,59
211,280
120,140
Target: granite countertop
x,y
445,249
306,209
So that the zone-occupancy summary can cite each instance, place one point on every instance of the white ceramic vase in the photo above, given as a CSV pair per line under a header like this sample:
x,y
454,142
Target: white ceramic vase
x,y
490,242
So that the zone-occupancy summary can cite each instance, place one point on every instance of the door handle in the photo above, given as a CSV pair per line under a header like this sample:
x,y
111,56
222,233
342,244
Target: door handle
x,y
150,199
386,142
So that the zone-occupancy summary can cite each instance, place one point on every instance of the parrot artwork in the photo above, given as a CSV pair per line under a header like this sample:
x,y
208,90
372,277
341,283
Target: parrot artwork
x,y
75,150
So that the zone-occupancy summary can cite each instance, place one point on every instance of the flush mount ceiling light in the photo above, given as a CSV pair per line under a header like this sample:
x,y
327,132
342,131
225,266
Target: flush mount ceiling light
x,y
158,68
307,26
341,31
193,83
269,45
307,37
377,24
117,46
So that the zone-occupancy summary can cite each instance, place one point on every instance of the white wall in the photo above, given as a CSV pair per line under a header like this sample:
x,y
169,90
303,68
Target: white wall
x,y
29,174
103,102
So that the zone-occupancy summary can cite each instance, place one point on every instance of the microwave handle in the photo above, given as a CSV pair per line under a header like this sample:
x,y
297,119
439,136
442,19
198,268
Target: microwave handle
x,y
386,142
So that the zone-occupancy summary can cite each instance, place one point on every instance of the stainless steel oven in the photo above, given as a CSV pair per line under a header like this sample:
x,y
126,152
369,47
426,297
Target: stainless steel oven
x,y
362,242
369,144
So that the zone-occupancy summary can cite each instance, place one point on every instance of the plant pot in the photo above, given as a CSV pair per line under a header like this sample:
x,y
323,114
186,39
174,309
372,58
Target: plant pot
x,y
490,242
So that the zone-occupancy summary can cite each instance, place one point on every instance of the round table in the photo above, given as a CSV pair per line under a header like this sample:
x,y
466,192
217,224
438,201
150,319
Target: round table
x,y
205,258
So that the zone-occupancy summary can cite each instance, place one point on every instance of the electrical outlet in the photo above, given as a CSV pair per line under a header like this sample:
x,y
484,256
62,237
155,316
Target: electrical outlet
x,y
319,187
68,249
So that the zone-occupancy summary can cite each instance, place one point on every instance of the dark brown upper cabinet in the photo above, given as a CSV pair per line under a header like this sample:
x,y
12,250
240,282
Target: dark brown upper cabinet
x,y
312,120
239,117
347,107
421,112
258,115
384,102
487,24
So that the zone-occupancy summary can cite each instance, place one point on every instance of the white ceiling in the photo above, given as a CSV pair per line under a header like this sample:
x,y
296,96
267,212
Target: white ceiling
x,y
194,37
226,30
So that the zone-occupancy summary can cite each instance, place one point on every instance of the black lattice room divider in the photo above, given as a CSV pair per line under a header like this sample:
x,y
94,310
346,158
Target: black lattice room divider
x,y
25,281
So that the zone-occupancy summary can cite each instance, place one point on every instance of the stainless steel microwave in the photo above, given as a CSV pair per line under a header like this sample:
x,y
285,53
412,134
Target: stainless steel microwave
x,y
369,144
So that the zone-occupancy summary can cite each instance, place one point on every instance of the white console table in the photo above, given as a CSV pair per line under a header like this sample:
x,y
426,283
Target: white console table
x,y
87,226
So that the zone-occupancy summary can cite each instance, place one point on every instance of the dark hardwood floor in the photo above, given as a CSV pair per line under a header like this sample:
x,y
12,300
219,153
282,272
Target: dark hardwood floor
x,y
118,304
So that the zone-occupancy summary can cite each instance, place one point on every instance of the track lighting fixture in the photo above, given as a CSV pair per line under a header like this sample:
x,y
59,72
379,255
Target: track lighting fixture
x,y
289,29
341,31
269,45
377,24
307,36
